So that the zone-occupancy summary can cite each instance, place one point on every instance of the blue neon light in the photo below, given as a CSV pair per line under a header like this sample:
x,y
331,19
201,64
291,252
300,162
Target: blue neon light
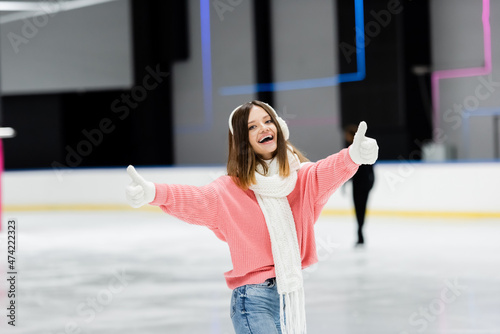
x,y
206,60
206,55
318,82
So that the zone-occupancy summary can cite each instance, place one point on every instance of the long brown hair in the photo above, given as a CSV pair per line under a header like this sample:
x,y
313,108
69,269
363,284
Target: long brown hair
x,y
242,160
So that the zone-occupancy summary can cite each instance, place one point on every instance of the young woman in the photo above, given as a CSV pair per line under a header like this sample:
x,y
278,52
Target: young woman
x,y
265,209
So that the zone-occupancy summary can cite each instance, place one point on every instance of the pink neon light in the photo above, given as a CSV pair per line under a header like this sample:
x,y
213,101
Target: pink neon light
x,y
467,72
1,172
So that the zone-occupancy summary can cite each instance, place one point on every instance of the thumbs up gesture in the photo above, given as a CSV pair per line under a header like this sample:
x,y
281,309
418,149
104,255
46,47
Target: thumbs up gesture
x,y
364,150
140,191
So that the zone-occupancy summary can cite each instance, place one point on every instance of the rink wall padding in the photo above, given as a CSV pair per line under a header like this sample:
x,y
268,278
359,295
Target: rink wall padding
x,y
447,190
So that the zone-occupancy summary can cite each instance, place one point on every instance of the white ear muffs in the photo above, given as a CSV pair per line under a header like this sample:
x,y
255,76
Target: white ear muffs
x,y
281,121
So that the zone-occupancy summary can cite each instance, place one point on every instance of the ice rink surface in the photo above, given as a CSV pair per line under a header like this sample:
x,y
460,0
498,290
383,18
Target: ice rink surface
x,y
146,272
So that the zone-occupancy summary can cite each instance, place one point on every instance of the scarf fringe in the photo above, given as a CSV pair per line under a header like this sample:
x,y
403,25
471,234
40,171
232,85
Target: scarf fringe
x,y
293,312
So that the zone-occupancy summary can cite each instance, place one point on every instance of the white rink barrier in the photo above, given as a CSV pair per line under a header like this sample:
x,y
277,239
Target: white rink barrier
x,y
400,188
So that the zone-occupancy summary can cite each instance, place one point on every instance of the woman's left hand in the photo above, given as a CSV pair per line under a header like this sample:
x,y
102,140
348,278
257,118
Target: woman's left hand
x,y
364,150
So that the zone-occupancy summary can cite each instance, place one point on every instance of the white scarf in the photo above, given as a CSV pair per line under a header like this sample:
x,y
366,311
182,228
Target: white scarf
x,y
271,192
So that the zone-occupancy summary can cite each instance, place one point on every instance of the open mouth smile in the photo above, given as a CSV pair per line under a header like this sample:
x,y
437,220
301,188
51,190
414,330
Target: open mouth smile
x,y
266,140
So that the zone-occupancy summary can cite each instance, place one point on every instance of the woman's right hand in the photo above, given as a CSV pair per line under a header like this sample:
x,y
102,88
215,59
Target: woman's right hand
x,y
140,191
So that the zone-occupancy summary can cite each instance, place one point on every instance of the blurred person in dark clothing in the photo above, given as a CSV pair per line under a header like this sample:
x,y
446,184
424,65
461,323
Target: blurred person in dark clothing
x,y
362,183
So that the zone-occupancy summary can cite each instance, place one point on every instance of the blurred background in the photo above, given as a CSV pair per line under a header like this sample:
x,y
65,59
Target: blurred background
x,y
68,65
91,86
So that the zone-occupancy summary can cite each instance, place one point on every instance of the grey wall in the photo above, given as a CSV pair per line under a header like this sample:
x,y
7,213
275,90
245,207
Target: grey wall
x,y
201,135
47,51
304,48
457,42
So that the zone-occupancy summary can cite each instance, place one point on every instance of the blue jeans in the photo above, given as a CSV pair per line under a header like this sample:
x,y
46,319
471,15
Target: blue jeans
x,y
255,308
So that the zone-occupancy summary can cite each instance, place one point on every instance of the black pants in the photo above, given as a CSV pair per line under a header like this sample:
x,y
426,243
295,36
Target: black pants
x,y
362,183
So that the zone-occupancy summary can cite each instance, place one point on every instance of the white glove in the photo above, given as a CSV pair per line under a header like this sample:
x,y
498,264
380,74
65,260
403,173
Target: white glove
x,y
140,191
364,150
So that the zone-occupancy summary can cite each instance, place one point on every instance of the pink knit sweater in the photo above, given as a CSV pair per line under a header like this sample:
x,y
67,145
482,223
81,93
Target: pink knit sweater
x,y
235,217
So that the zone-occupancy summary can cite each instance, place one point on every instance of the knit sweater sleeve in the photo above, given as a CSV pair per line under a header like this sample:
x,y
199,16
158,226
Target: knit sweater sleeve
x,y
192,204
325,176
